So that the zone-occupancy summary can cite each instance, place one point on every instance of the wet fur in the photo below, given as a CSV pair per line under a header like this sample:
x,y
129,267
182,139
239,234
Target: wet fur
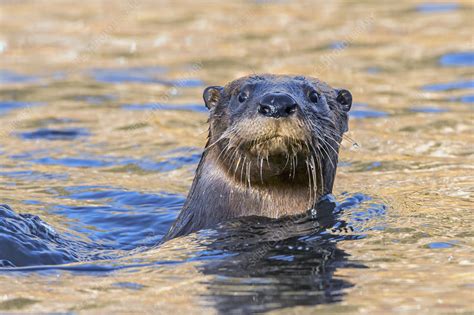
x,y
255,166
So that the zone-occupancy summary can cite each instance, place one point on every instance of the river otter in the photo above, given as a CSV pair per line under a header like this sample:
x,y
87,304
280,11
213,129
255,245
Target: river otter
x,y
272,150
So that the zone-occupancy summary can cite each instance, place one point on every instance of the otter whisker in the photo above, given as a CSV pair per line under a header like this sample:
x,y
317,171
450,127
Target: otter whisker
x,y
295,159
224,151
242,169
314,155
310,195
327,154
290,174
260,166
314,150
237,165
331,136
314,175
323,135
339,137
324,141
236,149
287,155
327,145
315,178
232,154
348,138
249,165
296,165
233,157
321,176
222,137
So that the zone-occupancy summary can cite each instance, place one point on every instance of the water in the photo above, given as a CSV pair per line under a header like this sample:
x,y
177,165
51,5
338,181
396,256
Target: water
x,y
102,126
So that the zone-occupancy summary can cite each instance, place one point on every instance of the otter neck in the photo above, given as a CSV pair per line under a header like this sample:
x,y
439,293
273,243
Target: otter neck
x,y
216,195
239,191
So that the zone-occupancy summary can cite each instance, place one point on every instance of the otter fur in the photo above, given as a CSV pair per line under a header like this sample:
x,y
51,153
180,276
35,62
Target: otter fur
x,y
272,150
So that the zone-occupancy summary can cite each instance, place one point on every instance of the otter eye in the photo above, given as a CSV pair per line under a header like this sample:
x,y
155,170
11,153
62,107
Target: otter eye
x,y
313,96
243,97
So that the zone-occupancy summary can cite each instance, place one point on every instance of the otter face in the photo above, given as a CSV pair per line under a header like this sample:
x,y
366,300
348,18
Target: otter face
x,y
271,121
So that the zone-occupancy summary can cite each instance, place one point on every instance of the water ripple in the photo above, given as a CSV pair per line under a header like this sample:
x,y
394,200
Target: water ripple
x,y
437,7
118,164
7,106
360,111
130,220
54,134
449,86
459,59
156,106
142,75
7,76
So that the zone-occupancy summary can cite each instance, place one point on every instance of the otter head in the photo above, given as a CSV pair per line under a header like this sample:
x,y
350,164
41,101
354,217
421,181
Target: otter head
x,y
278,130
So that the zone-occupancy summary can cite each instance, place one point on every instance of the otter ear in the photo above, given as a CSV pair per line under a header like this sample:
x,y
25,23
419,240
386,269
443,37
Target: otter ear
x,y
344,97
211,95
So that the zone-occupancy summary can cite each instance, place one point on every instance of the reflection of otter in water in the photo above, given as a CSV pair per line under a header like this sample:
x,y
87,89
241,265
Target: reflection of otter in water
x,y
272,150
278,263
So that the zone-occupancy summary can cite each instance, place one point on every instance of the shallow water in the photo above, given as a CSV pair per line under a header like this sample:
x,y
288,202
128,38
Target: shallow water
x,y
102,126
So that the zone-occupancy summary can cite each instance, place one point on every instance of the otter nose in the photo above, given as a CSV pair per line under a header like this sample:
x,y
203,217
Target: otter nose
x,y
277,105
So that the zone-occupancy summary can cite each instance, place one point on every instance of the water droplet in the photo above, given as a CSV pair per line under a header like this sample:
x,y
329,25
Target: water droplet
x,y
355,146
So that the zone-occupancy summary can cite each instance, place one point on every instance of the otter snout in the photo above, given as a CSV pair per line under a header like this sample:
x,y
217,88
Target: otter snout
x,y
277,105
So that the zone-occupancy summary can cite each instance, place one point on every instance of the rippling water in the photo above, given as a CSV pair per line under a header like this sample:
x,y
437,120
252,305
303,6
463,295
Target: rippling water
x,y
102,126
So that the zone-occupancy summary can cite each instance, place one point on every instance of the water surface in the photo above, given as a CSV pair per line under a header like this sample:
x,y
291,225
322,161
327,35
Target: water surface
x,y
102,126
